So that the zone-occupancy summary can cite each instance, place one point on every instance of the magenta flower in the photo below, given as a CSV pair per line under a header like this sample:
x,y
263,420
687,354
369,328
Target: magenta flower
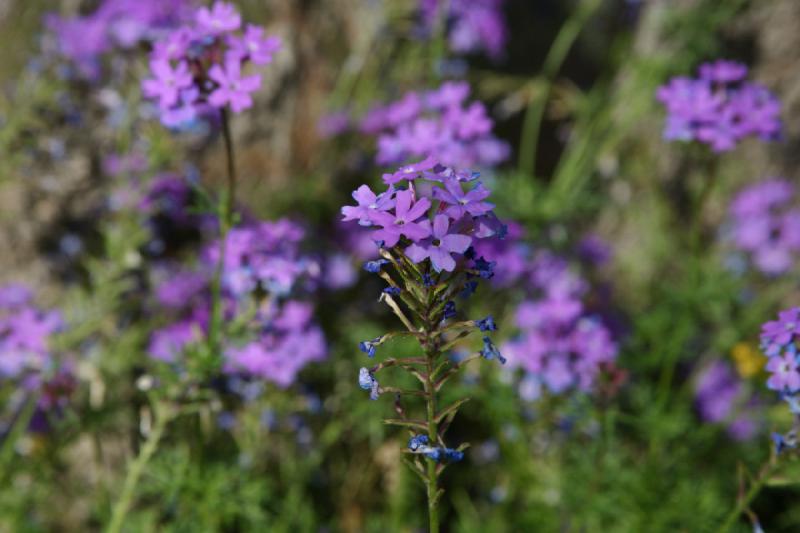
x,y
221,18
440,246
168,82
254,46
404,220
233,89
784,372
368,202
461,203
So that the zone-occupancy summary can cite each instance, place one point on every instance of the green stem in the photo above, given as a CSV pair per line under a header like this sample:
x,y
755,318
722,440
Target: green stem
x,y
136,469
19,427
552,64
439,47
226,209
430,389
744,503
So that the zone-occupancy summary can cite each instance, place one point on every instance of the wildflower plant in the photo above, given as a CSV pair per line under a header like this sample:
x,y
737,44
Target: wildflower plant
x,y
426,224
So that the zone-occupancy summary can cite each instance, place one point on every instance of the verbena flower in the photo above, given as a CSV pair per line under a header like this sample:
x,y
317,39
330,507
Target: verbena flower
x,y
561,345
764,224
424,247
114,24
438,125
200,65
719,108
472,25
264,274
721,397
26,357
779,343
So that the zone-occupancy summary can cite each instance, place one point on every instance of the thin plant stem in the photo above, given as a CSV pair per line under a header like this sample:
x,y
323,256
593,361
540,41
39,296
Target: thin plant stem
x,y
433,482
226,210
439,48
552,64
136,469
19,427
744,502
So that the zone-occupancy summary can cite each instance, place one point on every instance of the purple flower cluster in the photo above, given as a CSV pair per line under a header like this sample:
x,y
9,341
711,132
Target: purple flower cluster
x,y
263,271
25,354
436,217
765,224
719,108
721,397
198,66
114,24
440,124
473,25
561,345
779,343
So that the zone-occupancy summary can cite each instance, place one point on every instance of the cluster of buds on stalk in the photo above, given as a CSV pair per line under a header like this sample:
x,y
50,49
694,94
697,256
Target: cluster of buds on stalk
x,y
426,225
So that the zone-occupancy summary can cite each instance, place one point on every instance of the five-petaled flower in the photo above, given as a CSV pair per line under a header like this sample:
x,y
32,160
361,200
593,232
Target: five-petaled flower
x,y
440,246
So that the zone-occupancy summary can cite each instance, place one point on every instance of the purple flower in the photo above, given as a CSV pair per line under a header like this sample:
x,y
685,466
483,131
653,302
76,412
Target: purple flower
x,y
404,220
368,202
233,89
168,82
221,18
409,172
254,46
723,71
440,246
785,376
719,108
779,334
475,25
461,203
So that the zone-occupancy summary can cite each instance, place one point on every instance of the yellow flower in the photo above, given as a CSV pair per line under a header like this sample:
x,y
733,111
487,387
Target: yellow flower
x,y
749,361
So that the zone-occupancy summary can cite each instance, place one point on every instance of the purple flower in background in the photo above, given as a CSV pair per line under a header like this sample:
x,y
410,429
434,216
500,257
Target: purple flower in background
x,y
221,18
254,46
474,25
764,223
113,24
368,202
233,89
217,53
167,81
719,108
264,273
439,125
440,246
721,397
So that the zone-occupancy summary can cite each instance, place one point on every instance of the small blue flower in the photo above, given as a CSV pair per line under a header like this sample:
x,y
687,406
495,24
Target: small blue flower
x,y
416,442
392,291
449,310
490,351
485,268
469,289
427,280
368,347
794,402
365,378
375,266
780,443
443,455
486,324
